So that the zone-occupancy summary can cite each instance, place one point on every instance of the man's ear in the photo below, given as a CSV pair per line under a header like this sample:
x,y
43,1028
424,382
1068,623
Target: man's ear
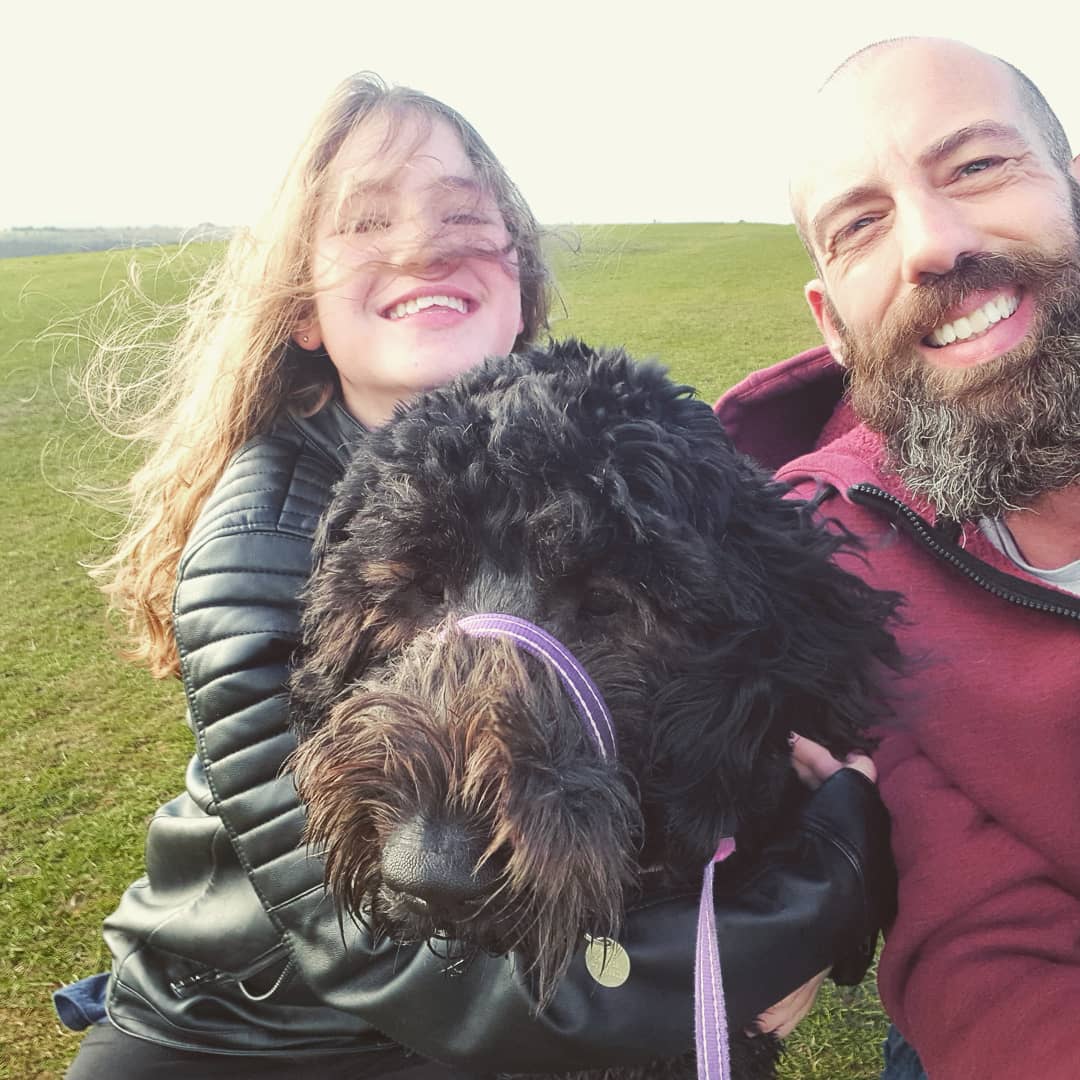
x,y
1074,168
815,297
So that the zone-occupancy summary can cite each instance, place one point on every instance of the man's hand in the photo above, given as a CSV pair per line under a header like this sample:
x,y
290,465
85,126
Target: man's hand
x,y
781,1018
815,764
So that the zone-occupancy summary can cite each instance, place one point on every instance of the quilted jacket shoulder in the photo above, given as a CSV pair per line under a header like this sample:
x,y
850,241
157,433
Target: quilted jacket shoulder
x,y
236,620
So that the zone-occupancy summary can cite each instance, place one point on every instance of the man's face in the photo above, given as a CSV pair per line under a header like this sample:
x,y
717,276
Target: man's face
x,y
948,242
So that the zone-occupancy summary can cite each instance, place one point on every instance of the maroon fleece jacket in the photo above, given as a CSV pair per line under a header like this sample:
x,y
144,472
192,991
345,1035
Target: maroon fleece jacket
x,y
980,771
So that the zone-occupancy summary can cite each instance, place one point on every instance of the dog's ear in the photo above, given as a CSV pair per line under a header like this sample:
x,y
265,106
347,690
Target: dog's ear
x,y
792,627
333,645
828,634
719,758
781,639
333,634
331,530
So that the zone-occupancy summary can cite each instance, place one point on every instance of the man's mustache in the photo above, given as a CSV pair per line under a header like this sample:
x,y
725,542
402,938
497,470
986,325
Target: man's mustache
x,y
929,304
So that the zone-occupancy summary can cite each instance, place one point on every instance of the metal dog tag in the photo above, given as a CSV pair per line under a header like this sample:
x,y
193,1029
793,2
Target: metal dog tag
x,y
607,961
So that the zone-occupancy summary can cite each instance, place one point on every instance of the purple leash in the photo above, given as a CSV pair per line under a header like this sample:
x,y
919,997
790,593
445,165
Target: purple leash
x,y
710,1016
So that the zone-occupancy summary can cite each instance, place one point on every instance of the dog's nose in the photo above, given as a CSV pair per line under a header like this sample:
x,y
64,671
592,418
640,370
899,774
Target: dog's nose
x,y
435,862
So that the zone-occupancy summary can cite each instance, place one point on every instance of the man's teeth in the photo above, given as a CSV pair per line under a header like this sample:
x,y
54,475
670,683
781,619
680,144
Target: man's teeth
x,y
975,322
418,303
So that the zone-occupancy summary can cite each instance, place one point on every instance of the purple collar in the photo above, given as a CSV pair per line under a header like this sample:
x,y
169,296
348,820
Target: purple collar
x,y
582,690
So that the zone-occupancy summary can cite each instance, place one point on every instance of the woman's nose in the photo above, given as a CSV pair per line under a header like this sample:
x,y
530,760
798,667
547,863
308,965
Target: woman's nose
x,y
420,244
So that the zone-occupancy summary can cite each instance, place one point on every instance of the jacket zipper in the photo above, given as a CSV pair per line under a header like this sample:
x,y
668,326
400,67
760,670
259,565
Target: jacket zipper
x,y
1023,593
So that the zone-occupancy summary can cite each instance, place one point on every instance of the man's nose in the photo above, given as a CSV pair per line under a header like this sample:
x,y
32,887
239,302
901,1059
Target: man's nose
x,y
935,233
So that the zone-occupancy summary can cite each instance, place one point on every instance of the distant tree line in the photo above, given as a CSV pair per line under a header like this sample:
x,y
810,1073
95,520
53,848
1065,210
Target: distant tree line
x,y
51,240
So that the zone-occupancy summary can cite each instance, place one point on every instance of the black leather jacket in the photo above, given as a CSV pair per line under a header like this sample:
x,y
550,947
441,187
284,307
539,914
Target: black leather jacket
x,y
229,943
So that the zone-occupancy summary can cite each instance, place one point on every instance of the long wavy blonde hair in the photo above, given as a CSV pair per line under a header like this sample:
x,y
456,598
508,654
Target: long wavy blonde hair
x,y
232,368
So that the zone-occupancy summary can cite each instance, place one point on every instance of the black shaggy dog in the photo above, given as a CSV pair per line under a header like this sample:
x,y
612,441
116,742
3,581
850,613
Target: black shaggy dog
x,y
449,778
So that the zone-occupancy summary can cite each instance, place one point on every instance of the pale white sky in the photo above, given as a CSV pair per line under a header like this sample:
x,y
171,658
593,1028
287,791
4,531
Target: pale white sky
x,y
121,112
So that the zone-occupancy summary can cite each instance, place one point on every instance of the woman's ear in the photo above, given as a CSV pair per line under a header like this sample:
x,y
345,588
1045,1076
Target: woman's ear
x,y
307,335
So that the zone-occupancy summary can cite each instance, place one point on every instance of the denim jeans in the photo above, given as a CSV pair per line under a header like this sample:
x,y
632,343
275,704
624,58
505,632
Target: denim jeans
x,y
901,1061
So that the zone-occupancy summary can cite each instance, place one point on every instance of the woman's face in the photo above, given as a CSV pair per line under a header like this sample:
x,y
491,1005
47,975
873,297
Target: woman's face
x,y
404,297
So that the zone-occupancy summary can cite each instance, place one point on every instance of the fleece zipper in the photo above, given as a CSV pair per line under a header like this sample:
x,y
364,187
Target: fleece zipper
x,y
1026,594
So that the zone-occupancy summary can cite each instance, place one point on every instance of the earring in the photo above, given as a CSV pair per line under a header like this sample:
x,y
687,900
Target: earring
x,y
303,338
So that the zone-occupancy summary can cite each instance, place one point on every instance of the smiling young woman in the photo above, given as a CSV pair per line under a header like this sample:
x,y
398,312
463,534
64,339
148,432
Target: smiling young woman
x,y
414,271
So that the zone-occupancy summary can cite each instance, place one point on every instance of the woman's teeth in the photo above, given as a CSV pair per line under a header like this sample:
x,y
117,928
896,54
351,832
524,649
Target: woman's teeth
x,y
418,303
1001,307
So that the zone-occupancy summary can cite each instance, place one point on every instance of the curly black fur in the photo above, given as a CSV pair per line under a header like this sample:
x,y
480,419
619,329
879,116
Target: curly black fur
x,y
591,495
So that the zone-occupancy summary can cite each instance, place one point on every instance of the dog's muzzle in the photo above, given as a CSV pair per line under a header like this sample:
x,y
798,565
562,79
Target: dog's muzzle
x,y
437,866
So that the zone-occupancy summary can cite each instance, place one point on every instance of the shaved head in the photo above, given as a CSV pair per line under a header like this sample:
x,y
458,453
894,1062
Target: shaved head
x,y
1031,96
860,62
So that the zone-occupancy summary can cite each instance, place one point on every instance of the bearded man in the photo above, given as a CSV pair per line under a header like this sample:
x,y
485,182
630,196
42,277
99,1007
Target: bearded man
x,y
942,213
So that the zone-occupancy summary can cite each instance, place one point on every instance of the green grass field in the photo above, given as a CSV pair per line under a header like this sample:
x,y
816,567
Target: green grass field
x,y
91,746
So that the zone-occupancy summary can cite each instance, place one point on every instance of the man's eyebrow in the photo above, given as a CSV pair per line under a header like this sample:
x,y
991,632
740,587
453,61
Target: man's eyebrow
x,y
838,204
984,129
943,148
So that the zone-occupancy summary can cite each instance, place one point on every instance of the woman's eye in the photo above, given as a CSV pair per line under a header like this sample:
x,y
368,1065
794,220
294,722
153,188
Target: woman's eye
x,y
367,225
598,602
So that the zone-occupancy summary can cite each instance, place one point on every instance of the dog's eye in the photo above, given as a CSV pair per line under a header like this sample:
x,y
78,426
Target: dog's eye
x,y
431,587
598,601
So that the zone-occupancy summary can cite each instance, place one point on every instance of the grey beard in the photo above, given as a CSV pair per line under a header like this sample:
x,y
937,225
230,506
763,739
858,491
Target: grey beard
x,y
993,438
969,462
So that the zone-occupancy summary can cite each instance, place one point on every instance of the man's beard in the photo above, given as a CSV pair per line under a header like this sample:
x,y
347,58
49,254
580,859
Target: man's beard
x,y
990,438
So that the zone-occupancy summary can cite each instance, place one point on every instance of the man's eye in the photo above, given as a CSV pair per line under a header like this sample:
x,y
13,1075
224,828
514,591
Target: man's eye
x,y
465,219
851,231
859,224
979,166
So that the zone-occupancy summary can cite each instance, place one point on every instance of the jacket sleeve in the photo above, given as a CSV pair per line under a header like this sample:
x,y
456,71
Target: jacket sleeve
x,y
814,899
236,617
984,976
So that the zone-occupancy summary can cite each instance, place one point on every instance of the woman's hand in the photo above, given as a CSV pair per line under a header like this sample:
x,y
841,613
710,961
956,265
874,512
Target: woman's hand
x,y
815,764
780,1020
